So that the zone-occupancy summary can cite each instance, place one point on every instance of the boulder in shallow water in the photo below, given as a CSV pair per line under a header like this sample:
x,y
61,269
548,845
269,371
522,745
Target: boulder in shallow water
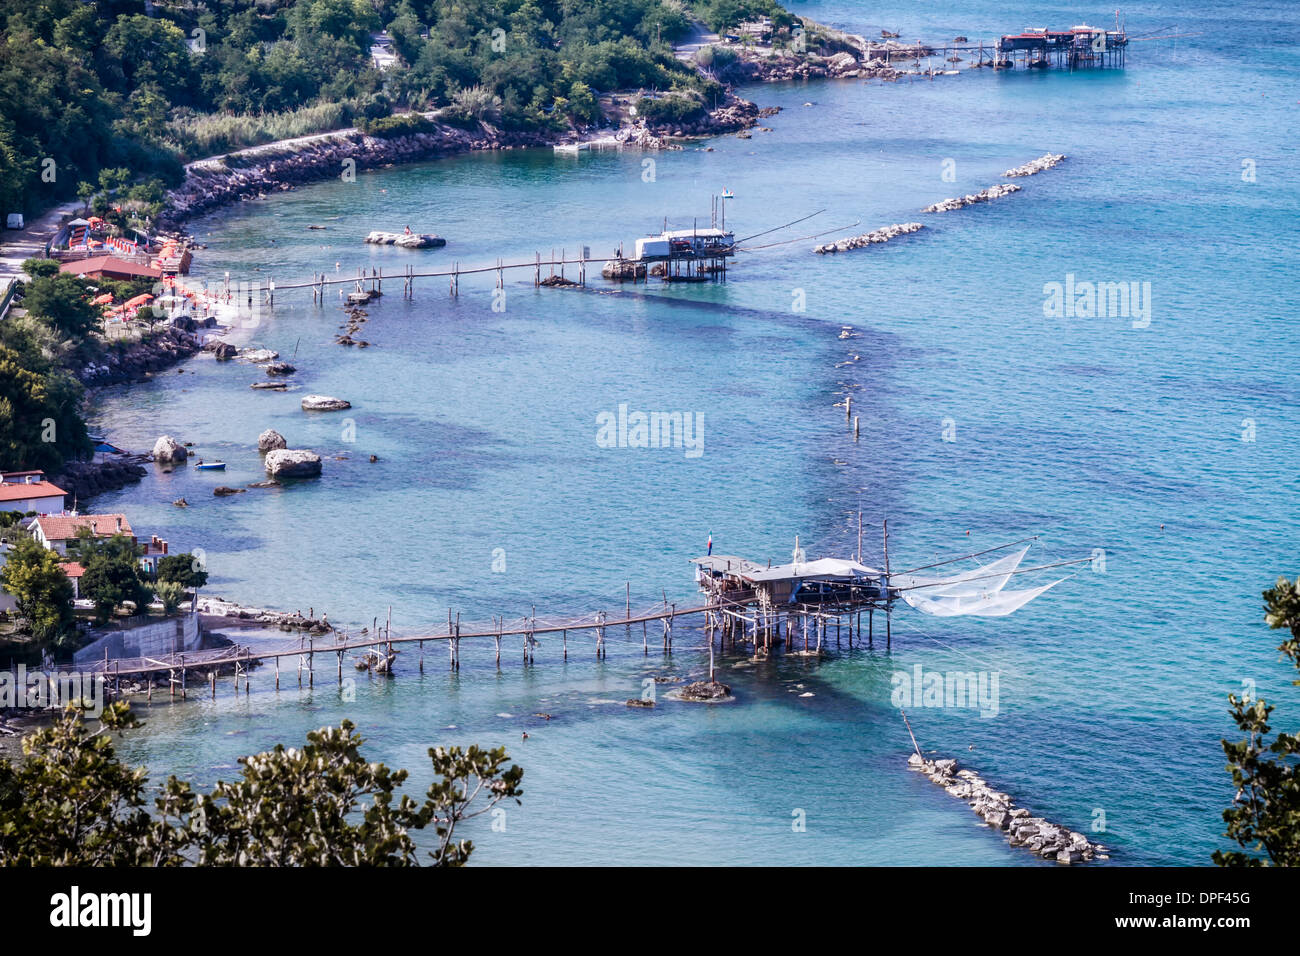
x,y
406,240
324,403
705,690
270,440
168,449
292,463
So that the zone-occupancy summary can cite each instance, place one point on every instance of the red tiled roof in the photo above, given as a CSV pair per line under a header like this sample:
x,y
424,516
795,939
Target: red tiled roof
x,y
72,569
111,265
17,491
64,527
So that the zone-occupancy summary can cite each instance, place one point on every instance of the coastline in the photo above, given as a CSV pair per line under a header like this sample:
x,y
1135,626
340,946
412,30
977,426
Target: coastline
x,y
279,166
251,173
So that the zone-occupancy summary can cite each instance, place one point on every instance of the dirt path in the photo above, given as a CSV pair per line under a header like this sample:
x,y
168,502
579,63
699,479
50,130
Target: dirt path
x,y
698,37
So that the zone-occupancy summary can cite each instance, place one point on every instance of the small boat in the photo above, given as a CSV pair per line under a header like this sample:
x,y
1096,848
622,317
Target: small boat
x,y
210,465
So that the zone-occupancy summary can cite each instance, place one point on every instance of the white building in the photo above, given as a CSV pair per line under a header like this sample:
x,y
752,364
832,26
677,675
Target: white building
x,y
29,491
56,531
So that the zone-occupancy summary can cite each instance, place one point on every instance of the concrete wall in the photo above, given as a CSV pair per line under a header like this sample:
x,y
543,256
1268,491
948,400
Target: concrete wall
x,y
7,601
165,636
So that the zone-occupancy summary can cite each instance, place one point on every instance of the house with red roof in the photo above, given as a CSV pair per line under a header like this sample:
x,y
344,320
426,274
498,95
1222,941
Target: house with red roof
x,y
110,267
74,571
57,531
29,491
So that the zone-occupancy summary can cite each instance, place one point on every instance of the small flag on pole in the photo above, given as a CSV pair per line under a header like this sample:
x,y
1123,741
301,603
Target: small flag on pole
x,y
710,542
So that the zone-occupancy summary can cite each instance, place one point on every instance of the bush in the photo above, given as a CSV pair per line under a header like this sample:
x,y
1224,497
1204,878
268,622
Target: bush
x,y
199,135
171,593
475,103
40,268
401,124
674,108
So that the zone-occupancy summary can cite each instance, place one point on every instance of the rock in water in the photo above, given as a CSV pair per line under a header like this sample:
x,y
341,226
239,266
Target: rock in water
x,y
406,241
292,463
270,440
705,690
224,351
323,403
280,368
222,491
167,449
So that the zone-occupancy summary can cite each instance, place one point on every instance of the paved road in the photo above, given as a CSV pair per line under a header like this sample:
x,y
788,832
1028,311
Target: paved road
x,y
697,38
29,243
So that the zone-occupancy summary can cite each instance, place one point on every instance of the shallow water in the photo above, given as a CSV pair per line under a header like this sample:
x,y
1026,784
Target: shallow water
x,y
1087,431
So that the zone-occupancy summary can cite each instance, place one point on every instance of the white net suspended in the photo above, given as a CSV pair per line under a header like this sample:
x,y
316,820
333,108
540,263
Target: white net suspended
x,y
983,604
978,593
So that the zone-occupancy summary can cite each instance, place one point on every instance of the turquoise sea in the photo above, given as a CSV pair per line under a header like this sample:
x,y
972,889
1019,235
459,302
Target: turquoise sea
x,y
1171,448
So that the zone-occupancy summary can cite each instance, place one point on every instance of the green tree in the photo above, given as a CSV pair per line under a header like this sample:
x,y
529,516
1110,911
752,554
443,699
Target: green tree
x,y
183,568
63,301
41,589
171,593
40,268
71,802
582,103
113,575
28,414
1265,814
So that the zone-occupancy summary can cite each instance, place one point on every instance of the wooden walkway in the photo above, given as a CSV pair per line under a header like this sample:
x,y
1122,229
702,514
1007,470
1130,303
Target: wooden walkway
x,y
725,618
241,658
372,279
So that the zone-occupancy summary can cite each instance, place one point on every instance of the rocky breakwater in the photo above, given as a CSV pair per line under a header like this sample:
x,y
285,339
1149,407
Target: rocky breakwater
x,y
238,613
1048,840
733,116
970,199
773,66
292,463
1046,161
252,173
122,362
875,236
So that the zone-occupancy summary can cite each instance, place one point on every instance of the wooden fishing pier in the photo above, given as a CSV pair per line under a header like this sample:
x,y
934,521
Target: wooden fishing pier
x,y
744,604
727,622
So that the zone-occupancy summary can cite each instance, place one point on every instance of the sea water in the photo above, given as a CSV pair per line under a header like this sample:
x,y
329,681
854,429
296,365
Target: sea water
x,y
1163,448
